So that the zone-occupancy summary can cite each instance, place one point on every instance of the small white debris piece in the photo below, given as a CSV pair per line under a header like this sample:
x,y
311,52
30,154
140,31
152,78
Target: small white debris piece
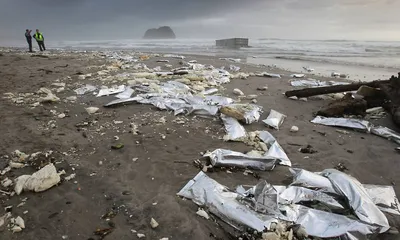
x,y
100,163
20,222
16,165
6,182
64,237
71,98
141,235
25,212
164,239
303,99
294,129
4,218
50,96
70,177
375,109
254,101
203,213
134,159
62,115
21,204
308,69
117,122
16,229
153,223
40,181
154,203
238,92
297,75
92,110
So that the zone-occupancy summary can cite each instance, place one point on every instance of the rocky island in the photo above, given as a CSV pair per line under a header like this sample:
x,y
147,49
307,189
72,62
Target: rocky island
x,y
164,32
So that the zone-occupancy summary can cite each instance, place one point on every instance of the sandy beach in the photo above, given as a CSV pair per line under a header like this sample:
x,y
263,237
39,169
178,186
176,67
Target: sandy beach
x,y
140,180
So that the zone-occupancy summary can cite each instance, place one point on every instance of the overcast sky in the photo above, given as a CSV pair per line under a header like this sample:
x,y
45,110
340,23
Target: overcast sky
x,y
125,19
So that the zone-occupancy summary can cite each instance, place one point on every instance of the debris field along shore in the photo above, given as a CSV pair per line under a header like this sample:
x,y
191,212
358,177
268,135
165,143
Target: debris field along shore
x,y
115,144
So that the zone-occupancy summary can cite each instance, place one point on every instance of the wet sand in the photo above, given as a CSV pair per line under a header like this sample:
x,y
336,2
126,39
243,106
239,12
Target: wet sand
x,y
146,188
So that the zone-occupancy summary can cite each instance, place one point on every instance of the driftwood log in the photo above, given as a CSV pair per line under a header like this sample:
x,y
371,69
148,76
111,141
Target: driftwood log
x,y
308,92
389,97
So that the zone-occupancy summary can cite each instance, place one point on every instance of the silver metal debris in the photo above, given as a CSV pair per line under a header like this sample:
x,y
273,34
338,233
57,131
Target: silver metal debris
x,y
228,158
386,133
357,124
275,119
235,131
86,89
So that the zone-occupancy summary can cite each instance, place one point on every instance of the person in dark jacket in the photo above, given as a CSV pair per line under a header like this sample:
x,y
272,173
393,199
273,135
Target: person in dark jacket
x,y
29,39
40,40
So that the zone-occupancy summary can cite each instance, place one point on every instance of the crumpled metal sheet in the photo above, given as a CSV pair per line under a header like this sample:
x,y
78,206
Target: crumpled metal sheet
x,y
85,89
110,91
358,198
384,197
247,113
326,225
304,178
275,119
125,94
314,83
122,101
218,100
294,194
209,91
275,150
225,158
386,133
271,75
223,203
357,124
235,131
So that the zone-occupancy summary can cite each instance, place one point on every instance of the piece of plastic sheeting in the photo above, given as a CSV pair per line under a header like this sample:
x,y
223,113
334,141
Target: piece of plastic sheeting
x,y
85,89
228,158
111,90
234,68
294,194
223,203
358,198
312,180
125,94
327,225
386,133
357,124
122,101
274,119
384,197
234,130
204,110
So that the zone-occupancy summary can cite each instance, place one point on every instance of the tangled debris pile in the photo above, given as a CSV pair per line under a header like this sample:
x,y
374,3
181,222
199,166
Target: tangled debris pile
x,y
313,199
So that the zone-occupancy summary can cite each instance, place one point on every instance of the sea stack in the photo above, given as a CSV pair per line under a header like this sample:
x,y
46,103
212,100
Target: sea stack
x,y
164,32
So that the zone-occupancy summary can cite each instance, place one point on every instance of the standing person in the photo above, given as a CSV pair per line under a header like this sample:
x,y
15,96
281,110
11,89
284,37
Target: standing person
x,y
40,40
28,37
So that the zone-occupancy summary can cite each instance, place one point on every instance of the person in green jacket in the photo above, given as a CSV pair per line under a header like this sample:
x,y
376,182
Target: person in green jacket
x,y
40,40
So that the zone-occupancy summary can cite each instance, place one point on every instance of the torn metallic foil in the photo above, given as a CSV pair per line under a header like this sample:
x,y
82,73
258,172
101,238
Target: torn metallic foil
x,y
125,94
275,151
122,101
274,119
386,133
223,203
228,158
357,124
85,89
110,91
358,198
311,180
235,131
294,194
384,197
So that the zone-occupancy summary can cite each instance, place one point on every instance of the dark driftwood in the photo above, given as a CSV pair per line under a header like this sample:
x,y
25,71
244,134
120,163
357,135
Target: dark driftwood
x,y
392,94
308,92
345,106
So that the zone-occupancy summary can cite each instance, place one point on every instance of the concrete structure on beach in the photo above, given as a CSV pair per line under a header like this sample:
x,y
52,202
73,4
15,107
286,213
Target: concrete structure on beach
x,y
232,42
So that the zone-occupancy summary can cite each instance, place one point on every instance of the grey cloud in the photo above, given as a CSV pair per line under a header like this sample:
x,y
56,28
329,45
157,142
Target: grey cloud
x,y
107,19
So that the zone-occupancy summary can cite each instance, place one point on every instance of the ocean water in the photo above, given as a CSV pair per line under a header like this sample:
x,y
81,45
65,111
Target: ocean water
x,y
360,60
